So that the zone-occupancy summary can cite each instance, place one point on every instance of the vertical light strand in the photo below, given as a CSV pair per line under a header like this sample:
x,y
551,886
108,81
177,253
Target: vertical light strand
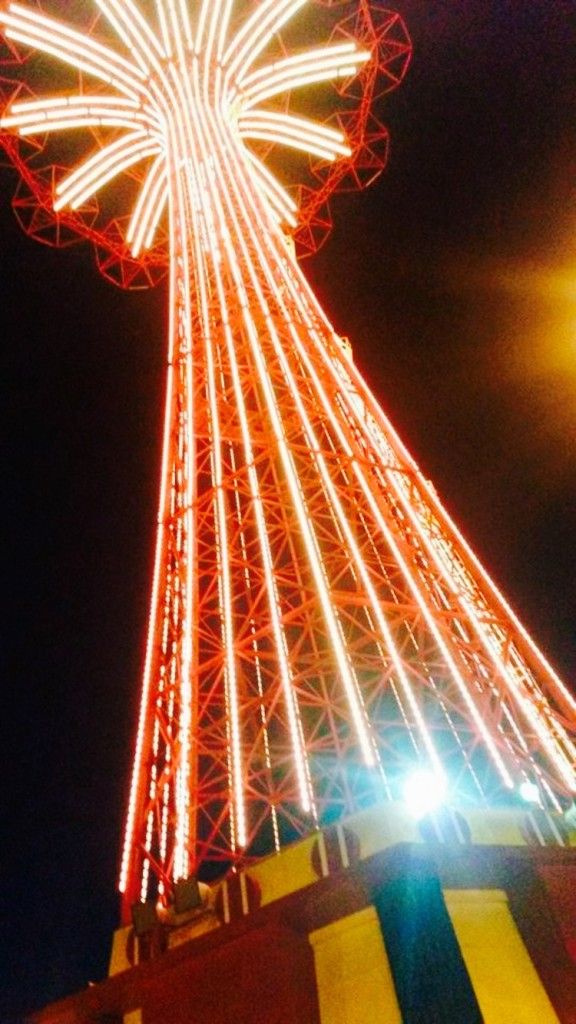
x,y
140,752
255,34
254,644
314,557
226,584
185,22
294,719
164,28
564,768
203,16
351,687
183,318
304,289
194,233
526,705
223,28
202,185
314,554
391,543
415,590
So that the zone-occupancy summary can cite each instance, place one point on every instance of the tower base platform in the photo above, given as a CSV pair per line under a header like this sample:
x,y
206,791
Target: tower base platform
x,y
468,917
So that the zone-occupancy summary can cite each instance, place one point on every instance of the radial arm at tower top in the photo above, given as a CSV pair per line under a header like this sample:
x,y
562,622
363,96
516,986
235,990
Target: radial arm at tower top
x,y
317,623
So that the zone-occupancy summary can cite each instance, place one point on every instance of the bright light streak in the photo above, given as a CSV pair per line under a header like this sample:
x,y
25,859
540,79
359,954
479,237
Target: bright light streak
x,y
314,77
294,131
301,764
84,101
228,618
149,207
155,218
266,134
448,524
322,56
143,719
187,645
484,631
190,133
133,30
185,23
277,196
291,704
91,120
314,553
413,586
50,36
104,165
176,32
205,7
304,69
128,869
255,34
349,683
73,116
92,183
164,28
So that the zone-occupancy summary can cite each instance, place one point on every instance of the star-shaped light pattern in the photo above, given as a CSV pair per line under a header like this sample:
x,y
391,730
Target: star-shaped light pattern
x,y
318,625
156,81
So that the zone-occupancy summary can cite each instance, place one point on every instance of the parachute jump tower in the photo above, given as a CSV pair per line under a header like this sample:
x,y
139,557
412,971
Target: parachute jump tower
x,y
319,628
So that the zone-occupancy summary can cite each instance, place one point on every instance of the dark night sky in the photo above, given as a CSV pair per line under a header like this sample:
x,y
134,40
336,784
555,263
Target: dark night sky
x,y
454,278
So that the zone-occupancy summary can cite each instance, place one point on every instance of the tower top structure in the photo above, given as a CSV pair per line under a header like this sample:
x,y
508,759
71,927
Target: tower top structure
x,y
366,56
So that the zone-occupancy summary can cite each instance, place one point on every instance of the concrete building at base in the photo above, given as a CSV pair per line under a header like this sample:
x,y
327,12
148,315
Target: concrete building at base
x,y
462,918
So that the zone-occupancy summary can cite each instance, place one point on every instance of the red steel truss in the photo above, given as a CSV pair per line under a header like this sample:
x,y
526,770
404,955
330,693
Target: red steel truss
x,y
318,626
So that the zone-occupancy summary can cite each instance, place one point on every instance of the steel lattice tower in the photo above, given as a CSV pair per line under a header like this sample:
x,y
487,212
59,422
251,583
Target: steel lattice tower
x,y
318,625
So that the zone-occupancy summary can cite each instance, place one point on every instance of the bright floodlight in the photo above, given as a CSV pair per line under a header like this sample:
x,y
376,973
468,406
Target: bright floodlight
x,y
529,792
424,791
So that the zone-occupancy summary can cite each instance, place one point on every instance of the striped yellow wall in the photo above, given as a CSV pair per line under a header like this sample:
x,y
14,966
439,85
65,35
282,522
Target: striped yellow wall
x,y
353,976
505,981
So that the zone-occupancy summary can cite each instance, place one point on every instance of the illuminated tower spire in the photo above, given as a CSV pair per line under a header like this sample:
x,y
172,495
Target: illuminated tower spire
x,y
317,623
